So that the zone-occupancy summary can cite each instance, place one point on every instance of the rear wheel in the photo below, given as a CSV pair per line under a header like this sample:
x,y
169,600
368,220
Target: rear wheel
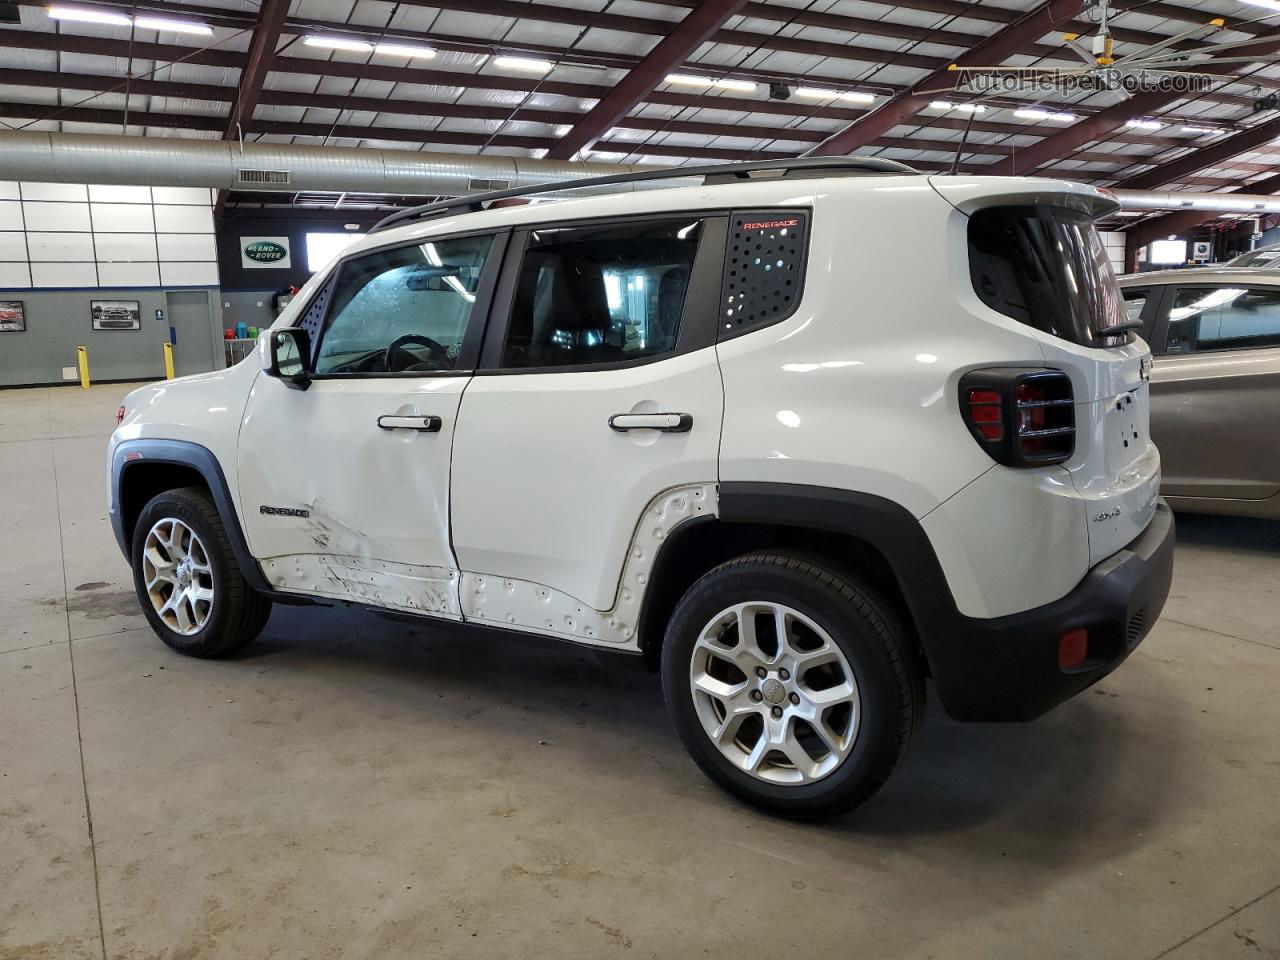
x,y
187,579
791,684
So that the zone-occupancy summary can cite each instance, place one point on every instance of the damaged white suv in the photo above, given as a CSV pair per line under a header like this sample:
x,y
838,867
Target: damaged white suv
x,y
803,434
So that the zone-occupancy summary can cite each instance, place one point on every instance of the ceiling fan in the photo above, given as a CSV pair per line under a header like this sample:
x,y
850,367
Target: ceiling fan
x,y
1155,59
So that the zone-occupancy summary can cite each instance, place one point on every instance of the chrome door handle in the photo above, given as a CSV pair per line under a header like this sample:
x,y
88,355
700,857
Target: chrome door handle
x,y
423,424
666,422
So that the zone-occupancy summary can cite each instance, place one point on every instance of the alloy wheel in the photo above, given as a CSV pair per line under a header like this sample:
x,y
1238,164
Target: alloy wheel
x,y
774,693
178,577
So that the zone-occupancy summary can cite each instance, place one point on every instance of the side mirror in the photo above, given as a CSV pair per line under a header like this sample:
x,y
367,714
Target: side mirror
x,y
289,355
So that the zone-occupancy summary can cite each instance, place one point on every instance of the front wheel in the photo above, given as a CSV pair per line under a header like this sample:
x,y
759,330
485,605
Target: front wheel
x,y
791,684
187,579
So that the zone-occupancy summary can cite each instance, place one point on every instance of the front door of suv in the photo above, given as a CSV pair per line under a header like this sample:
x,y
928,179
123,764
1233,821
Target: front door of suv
x,y
598,391
345,485
1214,386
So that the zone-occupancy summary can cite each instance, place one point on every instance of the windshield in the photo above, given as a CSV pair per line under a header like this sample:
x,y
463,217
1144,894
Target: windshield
x,y
1046,267
1265,257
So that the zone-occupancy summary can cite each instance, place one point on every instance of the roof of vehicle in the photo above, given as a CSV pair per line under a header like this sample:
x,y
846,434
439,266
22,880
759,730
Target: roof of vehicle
x,y
794,182
1218,274
1265,248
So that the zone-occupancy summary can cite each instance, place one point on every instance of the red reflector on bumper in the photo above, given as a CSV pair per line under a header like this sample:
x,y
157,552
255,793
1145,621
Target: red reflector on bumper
x,y
1073,649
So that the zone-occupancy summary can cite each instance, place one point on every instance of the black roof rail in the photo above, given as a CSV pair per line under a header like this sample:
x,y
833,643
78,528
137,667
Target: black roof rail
x,y
712,173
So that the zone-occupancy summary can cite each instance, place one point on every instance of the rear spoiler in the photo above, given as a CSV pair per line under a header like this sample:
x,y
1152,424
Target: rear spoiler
x,y
968,194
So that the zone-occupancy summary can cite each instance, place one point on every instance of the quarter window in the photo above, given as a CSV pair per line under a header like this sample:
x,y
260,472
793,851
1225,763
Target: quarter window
x,y
404,310
1134,303
603,294
1223,318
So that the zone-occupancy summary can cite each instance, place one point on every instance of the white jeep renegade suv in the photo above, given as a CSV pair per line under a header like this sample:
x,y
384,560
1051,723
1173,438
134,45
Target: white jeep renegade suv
x,y
803,435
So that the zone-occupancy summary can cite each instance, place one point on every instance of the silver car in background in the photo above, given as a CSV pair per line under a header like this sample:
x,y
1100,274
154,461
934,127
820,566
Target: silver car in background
x,y
1261,257
1215,385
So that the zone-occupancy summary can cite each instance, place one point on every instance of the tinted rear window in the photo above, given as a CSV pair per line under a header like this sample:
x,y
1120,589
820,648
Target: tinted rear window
x,y
1045,267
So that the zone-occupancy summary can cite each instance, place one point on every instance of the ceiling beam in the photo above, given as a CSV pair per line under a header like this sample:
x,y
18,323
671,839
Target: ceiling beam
x,y
1214,155
1064,142
262,52
671,51
48,79
309,66
1006,42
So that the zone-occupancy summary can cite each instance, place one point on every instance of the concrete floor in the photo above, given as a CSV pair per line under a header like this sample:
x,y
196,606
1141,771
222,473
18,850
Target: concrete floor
x,y
354,787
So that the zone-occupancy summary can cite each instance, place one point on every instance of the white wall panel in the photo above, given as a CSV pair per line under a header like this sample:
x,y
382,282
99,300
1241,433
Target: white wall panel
x,y
60,247
64,275
187,246
13,246
195,196
184,219
14,275
117,193
9,190
10,215
125,247
123,217
128,275
53,191
189,274
55,216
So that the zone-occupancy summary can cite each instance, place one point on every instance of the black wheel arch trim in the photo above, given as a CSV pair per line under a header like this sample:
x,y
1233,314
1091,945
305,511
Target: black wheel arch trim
x,y
185,453
1000,668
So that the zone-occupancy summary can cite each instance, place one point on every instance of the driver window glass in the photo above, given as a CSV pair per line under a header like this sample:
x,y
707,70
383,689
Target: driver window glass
x,y
1223,318
403,310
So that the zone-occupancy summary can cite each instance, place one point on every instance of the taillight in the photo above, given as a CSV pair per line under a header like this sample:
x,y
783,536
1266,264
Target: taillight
x,y
120,415
1022,417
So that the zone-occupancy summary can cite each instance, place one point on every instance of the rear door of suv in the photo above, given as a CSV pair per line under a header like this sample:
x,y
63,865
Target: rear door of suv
x,y
1215,387
598,390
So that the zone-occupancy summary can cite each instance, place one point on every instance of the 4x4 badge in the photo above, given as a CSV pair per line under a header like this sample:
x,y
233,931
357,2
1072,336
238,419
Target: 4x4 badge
x,y
1107,515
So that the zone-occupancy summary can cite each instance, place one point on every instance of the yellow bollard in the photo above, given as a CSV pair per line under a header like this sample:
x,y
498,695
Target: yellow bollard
x,y
82,357
168,360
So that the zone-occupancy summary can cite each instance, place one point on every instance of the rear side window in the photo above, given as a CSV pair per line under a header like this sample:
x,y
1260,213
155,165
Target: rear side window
x,y
1045,267
1223,318
603,294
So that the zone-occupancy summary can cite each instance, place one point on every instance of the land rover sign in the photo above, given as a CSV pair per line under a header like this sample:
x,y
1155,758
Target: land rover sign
x,y
259,252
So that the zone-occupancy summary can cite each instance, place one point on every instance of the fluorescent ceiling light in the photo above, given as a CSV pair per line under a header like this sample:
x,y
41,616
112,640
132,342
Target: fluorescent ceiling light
x,y
337,43
527,64
820,93
687,80
1144,124
1265,4
89,16
173,26
404,50
725,83
563,130
1033,114
962,107
1199,130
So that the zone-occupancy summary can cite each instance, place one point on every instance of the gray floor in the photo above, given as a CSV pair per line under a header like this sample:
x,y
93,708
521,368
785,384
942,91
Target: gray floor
x,y
353,787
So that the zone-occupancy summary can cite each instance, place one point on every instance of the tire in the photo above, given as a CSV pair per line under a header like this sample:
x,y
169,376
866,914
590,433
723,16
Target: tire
x,y
183,523
851,669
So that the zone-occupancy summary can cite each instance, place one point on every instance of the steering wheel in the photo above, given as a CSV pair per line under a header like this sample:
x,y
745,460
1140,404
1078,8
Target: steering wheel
x,y
439,358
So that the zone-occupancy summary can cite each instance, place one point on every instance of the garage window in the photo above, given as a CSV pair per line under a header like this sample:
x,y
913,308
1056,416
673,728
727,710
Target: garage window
x,y
602,294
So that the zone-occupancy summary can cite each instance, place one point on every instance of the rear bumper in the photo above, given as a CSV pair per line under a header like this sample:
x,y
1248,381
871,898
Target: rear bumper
x,y
1006,668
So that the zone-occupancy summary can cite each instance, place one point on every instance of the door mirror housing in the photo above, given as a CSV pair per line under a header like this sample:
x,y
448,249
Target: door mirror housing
x,y
289,356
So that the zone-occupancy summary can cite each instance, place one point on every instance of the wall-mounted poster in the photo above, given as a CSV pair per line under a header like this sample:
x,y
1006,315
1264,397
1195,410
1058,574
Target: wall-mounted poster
x,y
257,253
13,316
116,314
